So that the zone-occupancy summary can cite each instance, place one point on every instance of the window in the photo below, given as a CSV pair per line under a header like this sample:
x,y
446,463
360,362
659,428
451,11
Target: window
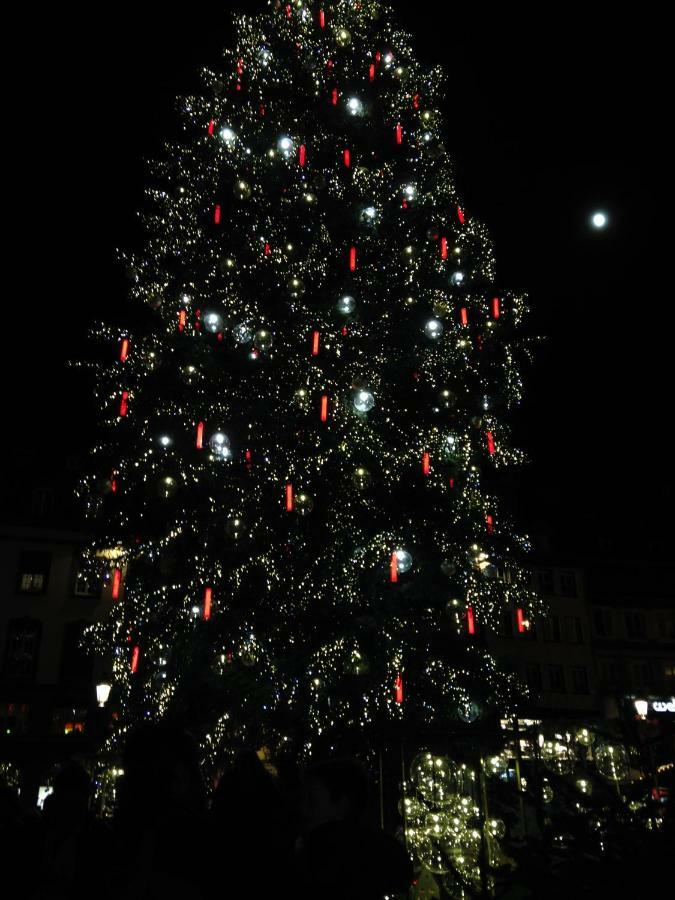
x,y
545,581
506,575
33,573
556,679
642,675
13,718
636,624
42,502
669,675
76,664
505,627
611,674
67,720
551,628
533,676
86,585
667,626
602,622
579,679
21,650
568,584
572,630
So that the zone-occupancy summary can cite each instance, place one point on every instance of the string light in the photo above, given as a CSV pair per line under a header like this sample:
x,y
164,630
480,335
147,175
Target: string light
x,y
263,344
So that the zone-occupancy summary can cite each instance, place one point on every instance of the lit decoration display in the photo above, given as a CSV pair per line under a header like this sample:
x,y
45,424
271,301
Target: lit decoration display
x,y
291,552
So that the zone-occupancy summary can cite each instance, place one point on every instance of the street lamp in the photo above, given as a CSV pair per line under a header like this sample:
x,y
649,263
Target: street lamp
x,y
641,708
103,689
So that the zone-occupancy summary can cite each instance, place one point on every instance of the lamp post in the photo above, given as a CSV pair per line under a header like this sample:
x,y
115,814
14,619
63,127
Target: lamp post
x,y
103,689
641,708
643,726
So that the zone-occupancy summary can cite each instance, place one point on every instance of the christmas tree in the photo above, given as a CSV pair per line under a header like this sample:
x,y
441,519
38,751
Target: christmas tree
x,y
296,489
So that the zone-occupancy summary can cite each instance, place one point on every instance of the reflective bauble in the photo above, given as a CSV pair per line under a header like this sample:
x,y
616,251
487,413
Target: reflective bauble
x,y
363,401
404,561
362,479
295,287
369,216
447,398
227,265
457,279
167,487
219,444
303,504
213,321
346,305
409,254
468,711
558,755
235,528
433,329
612,761
242,333
355,106
242,189
497,765
263,339
434,778
343,38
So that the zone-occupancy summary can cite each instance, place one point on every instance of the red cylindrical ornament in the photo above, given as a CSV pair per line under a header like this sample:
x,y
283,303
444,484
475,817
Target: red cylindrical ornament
x,y
200,436
352,259
490,522
464,315
393,568
182,317
347,157
212,126
324,408
426,463
444,248
470,620
124,403
316,337
289,10
398,688
451,482
371,72
124,349
496,308
460,215
216,214
399,134
268,249
289,498
116,583
322,18
378,58
302,155
208,599
334,96
416,101
520,620
113,483
490,443
135,656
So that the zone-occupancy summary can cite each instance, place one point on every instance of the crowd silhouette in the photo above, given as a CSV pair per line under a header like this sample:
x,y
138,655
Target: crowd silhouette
x,y
258,835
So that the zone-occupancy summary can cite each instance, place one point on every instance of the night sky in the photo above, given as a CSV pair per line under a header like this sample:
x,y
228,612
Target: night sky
x,y
548,120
